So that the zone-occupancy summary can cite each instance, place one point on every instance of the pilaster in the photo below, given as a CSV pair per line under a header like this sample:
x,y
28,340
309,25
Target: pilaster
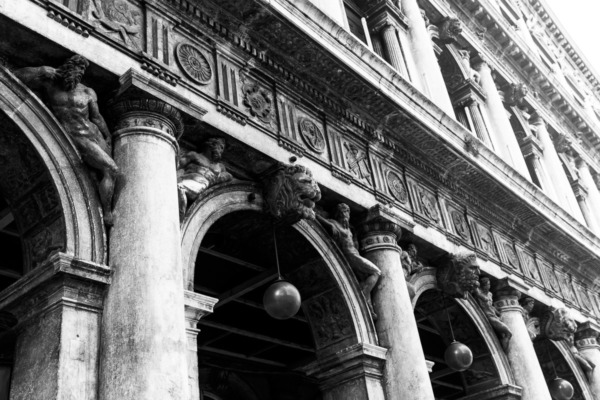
x,y
58,307
396,325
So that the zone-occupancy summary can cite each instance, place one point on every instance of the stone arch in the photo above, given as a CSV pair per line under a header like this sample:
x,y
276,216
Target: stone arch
x,y
78,229
221,200
425,280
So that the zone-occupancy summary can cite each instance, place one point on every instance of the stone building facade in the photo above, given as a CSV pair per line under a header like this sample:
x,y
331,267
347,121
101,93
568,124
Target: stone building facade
x,y
153,188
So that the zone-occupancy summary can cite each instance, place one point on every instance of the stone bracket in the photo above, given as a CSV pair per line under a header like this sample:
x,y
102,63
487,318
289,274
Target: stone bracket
x,y
197,306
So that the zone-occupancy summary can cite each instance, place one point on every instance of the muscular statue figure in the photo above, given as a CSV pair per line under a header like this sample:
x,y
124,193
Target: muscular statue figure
x,y
200,171
586,364
485,299
76,108
340,230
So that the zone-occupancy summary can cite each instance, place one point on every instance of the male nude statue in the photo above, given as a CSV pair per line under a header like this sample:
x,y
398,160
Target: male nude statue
x,y
340,230
200,171
485,299
76,108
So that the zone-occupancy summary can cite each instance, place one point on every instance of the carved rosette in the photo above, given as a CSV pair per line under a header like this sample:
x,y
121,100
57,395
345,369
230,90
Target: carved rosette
x,y
311,134
133,113
459,276
556,324
397,187
195,65
258,101
290,193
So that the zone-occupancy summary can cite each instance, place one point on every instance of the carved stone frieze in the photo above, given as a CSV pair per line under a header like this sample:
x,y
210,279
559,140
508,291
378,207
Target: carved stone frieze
x,y
396,186
459,276
429,206
152,66
357,162
556,324
290,193
459,224
311,135
119,19
329,318
511,255
194,63
65,17
530,269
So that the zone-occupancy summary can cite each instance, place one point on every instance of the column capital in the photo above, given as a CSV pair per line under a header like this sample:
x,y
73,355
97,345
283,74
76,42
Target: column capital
x,y
197,306
531,146
507,293
359,360
587,335
381,227
537,119
62,280
481,61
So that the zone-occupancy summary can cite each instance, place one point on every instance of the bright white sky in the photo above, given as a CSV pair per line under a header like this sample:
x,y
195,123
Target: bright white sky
x,y
580,21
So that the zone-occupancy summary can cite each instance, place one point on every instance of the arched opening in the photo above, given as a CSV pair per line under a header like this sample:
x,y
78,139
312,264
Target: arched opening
x,y
436,315
229,253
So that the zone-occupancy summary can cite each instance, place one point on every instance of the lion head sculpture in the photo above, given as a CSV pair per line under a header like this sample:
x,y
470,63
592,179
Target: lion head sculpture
x,y
460,275
450,29
290,193
556,324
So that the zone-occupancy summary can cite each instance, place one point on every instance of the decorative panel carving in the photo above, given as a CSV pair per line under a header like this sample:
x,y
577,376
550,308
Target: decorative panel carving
x,y
529,267
119,20
566,287
194,63
258,101
229,98
312,134
357,162
551,284
329,318
288,133
484,241
425,204
508,254
459,225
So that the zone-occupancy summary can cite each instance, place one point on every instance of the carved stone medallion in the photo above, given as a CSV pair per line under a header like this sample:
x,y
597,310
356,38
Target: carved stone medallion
x,y
460,224
258,101
397,187
193,63
311,134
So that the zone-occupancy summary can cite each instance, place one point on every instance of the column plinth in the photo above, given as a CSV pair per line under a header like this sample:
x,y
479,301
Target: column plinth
x,y
144,351
396,325
521,353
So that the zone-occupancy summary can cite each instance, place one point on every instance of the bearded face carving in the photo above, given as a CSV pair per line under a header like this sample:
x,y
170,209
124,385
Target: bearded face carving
x,y
556,324
450,29
290,193
459,276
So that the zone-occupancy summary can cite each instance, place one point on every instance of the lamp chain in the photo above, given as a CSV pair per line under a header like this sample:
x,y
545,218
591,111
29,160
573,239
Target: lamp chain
x,y
276,254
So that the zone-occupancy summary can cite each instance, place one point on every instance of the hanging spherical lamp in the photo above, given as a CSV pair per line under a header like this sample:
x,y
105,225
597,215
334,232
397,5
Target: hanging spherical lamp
x,y
282,300
561,389
458,356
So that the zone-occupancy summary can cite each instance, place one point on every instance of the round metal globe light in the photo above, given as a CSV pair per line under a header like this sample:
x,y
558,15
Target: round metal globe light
x,y
561,389
458,356
282,300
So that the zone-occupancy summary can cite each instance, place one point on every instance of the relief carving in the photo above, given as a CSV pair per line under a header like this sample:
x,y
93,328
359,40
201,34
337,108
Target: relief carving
x,y
429,206
358,162
290,193
516,93
396,187
119,18
485,299
486,241
459,276
460,224
195,65
311,134
199,171
258,101
511,255
329,318
75,106
340,230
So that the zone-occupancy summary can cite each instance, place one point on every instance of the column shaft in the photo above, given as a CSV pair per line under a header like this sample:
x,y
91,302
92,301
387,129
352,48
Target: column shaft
x,y
479,125
143,331
502,135
405,373
393,50
562,186
521,353
421,46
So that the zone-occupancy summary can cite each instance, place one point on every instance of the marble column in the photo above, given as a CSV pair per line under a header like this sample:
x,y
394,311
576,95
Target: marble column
x,y
532,150
501,133
593,194
351,373
586,340
392,48
521,353
144,352
405,373
562,186
58,306
196,306
421,46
